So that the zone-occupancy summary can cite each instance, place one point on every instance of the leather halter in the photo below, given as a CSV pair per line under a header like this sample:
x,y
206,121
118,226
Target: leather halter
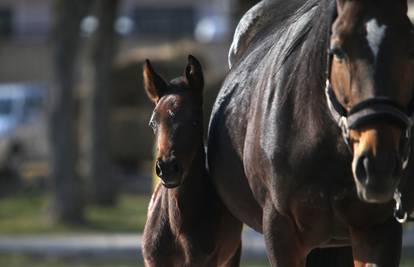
x,y
369,111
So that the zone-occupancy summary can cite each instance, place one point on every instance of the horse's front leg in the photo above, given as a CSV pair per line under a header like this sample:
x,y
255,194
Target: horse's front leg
x,y
378,245
281,238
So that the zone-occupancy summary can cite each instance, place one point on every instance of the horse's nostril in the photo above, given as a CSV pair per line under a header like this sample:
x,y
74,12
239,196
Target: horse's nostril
x,y
368,169
362,169
158,170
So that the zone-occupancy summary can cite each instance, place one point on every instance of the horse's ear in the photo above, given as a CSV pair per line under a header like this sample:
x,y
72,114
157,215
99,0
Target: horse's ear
x,y
153,83
194,73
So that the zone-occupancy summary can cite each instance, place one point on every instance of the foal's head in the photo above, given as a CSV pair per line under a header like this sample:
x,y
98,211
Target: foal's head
x,y
372,43
176,120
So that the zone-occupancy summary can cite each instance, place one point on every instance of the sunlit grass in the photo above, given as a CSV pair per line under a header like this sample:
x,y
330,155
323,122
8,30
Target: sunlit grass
x,y
27,213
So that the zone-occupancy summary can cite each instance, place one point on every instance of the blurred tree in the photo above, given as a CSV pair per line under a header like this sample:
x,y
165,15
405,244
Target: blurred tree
x,y
67,201
103,184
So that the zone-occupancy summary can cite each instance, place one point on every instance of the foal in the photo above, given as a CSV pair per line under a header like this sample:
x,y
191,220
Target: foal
x,y
187,224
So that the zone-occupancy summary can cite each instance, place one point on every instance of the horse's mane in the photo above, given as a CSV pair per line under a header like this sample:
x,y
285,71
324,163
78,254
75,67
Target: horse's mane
x,y
310,66
287,26
286,57
298,36
290,47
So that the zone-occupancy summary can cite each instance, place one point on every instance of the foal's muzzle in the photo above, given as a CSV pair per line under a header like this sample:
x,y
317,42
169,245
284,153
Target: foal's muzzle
x,y
170,172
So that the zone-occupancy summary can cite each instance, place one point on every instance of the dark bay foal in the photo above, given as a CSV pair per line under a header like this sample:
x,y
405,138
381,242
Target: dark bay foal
x,y
187,224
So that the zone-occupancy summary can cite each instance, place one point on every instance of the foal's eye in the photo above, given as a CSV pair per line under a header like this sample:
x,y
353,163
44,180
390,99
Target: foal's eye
x,y
337,52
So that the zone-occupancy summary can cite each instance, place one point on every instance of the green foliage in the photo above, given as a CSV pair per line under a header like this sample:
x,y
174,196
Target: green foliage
x,y
27,213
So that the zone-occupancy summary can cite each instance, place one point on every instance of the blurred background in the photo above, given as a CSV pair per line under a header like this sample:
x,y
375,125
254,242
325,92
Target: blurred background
x,y
75,149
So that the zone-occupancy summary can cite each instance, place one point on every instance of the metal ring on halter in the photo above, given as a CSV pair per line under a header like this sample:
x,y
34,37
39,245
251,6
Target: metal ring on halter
x,y
399,214
343,124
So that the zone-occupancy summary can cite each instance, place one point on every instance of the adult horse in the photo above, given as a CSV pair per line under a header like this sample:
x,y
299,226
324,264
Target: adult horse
x,y
310,134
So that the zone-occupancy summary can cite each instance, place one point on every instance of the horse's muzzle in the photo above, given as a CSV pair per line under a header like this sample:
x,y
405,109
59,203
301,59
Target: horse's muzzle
x,y
376,177
169,171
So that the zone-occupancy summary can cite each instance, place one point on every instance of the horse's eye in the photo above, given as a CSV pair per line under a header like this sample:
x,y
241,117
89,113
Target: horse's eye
x,y
337,52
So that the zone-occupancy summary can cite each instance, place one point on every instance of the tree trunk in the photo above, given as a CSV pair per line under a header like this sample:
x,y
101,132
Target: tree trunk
x,y
67,202
104,186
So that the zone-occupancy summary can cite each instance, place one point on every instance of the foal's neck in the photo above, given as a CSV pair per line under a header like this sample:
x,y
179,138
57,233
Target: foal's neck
x,y
196,177
190,198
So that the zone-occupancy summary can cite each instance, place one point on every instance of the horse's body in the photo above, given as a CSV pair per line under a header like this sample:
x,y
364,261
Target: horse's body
x,y
278,161
187,223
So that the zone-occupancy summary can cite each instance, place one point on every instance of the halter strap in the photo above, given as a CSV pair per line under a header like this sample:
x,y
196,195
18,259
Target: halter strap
x,y
369,110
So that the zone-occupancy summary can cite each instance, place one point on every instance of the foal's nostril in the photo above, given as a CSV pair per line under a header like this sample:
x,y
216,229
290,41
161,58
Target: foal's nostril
x,y
167,169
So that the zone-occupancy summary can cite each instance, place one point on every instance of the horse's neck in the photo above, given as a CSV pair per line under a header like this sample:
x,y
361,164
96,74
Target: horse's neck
x,y
189,200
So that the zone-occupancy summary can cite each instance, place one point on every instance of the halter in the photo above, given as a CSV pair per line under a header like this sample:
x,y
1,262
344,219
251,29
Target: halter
x,y
367,111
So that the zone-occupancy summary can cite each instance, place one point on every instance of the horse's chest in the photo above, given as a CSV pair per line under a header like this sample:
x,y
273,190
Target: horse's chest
x,y
316,217
323,214
312,209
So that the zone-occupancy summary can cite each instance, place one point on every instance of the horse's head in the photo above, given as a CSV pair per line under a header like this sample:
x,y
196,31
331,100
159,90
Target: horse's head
x,y
372,77
176,120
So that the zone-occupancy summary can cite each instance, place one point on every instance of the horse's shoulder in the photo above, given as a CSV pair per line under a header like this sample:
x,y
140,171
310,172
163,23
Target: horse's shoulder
x,y
250,24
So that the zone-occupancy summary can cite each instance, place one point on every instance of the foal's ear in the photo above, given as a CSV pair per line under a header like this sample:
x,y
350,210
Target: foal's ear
x,y
154,84
194,73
